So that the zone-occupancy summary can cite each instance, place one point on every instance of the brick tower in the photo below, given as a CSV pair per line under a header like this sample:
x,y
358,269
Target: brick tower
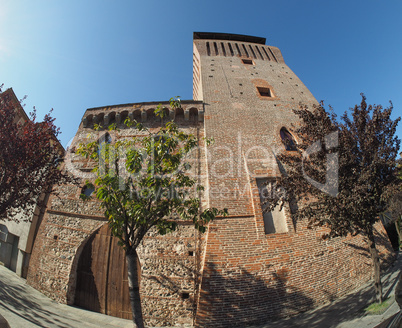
x,y
258,266
248,267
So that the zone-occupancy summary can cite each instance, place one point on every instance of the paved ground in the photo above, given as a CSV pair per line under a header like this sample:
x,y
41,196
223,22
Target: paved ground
x,y
22,306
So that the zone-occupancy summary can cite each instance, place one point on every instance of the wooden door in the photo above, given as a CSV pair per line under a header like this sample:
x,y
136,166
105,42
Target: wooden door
x,y
102,284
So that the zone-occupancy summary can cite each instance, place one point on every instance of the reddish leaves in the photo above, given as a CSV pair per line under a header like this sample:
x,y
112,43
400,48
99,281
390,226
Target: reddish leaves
x,y
30,158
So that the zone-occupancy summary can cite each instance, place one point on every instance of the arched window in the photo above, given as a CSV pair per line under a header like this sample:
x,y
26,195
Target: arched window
x,y
287,139
105,138
102,141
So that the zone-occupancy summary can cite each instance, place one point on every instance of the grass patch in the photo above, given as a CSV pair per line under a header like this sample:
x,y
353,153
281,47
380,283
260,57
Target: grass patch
x,y
376,308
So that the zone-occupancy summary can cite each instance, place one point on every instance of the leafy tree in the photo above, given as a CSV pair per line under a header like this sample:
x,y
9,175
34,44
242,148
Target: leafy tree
x,y
30,157
342,174
151,187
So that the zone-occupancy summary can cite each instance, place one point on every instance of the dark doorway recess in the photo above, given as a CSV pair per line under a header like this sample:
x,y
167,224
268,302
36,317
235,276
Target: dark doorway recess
x,y
102,284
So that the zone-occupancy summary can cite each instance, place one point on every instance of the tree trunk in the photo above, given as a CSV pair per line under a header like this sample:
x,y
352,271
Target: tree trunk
x,y
399,231
134,287
376,265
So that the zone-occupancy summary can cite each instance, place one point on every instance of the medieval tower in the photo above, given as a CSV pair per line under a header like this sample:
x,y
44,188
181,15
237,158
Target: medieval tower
x,y
248,267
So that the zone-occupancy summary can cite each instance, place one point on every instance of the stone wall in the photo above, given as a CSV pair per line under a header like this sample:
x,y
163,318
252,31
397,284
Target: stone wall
x,y
170,264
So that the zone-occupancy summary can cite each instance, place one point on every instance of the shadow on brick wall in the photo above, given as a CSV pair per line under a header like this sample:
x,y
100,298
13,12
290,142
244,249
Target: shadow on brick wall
x,y
240,299
383,245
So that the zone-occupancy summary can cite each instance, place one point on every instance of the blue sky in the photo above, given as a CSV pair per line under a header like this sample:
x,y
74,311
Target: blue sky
x,y
73,55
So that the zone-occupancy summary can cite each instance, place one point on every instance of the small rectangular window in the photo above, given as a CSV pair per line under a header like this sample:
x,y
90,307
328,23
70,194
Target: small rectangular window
x,y
264,92
275,220
247,61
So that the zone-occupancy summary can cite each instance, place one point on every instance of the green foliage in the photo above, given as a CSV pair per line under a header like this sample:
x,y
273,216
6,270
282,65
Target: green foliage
x,y
146,181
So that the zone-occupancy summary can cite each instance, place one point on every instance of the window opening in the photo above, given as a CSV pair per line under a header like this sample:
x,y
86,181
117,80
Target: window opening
x,y
185,295
274,221
288,140
264,92
223,49
266,54
245,50
216,49
231,50
87,190
252,51
208,49
247,61
238,49
272,54
259,52
105,139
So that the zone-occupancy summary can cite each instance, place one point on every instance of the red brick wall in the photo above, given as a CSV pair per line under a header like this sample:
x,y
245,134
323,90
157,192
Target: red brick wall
x,y
250,279
248,276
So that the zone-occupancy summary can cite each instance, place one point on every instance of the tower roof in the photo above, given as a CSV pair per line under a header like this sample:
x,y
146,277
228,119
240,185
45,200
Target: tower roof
x,y
227,36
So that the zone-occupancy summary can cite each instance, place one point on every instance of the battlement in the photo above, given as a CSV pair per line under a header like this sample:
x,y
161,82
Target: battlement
x,y
235,45
227,47
190,112
228,37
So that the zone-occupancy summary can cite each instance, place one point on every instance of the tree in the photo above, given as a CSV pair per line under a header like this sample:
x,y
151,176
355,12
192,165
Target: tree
x,y
147,185
343,173
395,206
30,158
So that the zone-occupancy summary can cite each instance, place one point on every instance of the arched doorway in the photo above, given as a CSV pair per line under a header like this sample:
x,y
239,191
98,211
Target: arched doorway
x,y
102,284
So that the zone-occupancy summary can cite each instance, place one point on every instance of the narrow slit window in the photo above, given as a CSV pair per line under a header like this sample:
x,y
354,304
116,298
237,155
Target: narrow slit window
x,y
103,141
231,50
252,51
259,53
208,49
264,92
238,49
223,49
266,54
272,54
245,50
216,49
288,140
